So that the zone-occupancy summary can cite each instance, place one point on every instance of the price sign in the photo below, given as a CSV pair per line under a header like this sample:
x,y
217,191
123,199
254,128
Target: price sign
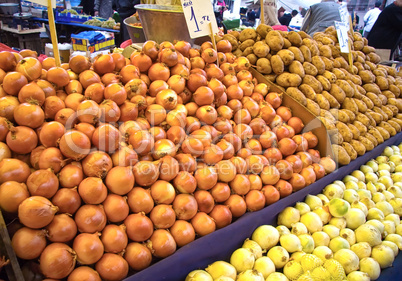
x,y
342,32
344,13
199,14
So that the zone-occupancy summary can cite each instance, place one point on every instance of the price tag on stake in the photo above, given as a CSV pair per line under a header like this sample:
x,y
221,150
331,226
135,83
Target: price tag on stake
x,y
342,32
344,13
199,14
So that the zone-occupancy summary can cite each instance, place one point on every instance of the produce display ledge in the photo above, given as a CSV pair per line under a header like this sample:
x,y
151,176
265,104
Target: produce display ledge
x,y
220,244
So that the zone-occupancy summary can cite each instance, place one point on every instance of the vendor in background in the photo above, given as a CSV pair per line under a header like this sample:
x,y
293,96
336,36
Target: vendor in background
x,y
219,8
296,21
287,17
125,8
320,16
251,16
103,8
270,12
387,30
370,18
87,7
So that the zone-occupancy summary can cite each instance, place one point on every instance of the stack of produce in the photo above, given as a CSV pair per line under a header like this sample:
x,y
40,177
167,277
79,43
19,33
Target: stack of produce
x,y
116,164
350,231
360,106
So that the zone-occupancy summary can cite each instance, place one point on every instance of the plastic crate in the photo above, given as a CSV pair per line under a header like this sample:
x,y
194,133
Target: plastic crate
x,y
68,17
92,41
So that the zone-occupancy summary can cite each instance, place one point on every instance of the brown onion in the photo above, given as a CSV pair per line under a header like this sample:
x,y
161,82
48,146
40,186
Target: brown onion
x,y
92,190
169,168
116,208
222,216
163,192
138,256
205,201
67,200
146,173
182,232
74,145
162,243
185,206
71,175
237,205
51,158
120,180
140,200
203,224
84,273
139,227
57,261
114,238
112,267
43,183
29,243
97,164
36,212
88,247
62,229
162,216
90,218
12,193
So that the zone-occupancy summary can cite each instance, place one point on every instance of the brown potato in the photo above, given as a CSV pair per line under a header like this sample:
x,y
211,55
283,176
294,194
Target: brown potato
x,y
252,58
246,34
355,131
329,63
295,38
338,93
338,73
376,133
310,69
287,79
277,64
306,53
313,82
297,95
274,40
263,29
261,49
331,99
318,63
313,107
264,66
233,41
340,155
308,91
326,85
322,102
350,150
297,68
247,43
297,53
286,56
345,86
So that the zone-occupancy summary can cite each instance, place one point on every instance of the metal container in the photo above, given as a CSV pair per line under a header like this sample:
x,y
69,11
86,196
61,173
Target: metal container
x,y
9,8
136,32
163,23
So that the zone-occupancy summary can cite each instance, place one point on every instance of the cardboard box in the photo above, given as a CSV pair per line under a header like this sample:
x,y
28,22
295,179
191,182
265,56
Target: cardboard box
x,y
64,52
311,123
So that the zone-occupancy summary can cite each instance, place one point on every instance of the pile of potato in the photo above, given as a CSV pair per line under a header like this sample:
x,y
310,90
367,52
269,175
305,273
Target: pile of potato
x,y
359,105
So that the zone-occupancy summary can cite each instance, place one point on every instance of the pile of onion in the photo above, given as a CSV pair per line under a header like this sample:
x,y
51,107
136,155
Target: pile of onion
x,y
114,162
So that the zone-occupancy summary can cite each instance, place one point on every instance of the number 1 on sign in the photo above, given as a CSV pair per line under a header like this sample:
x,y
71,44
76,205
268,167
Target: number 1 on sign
x,y
193,17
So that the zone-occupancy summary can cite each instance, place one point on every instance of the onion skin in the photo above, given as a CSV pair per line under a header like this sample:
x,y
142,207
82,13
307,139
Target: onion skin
x,y
162,243
62,229
90,218
57,261
13,170
12,193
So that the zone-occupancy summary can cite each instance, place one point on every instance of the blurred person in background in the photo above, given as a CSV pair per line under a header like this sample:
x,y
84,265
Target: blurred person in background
x,y
270,12
103,8
251,16
370,18
289,16
320,16
125,8
387,30
87,7
296,21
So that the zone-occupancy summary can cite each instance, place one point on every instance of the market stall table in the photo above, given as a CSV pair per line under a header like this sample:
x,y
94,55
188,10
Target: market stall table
x,y
27,38
67,28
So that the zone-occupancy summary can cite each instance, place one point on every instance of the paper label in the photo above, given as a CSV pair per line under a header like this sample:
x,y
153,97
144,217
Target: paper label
x,y
198,15
344,13
342,32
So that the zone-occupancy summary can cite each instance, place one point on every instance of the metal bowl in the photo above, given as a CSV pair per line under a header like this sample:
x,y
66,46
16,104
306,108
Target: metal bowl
x,y
136,32
163,23
9,8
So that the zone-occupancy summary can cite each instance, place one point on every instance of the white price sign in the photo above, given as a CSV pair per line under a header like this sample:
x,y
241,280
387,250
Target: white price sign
x,y
342,32
344,13
198,15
